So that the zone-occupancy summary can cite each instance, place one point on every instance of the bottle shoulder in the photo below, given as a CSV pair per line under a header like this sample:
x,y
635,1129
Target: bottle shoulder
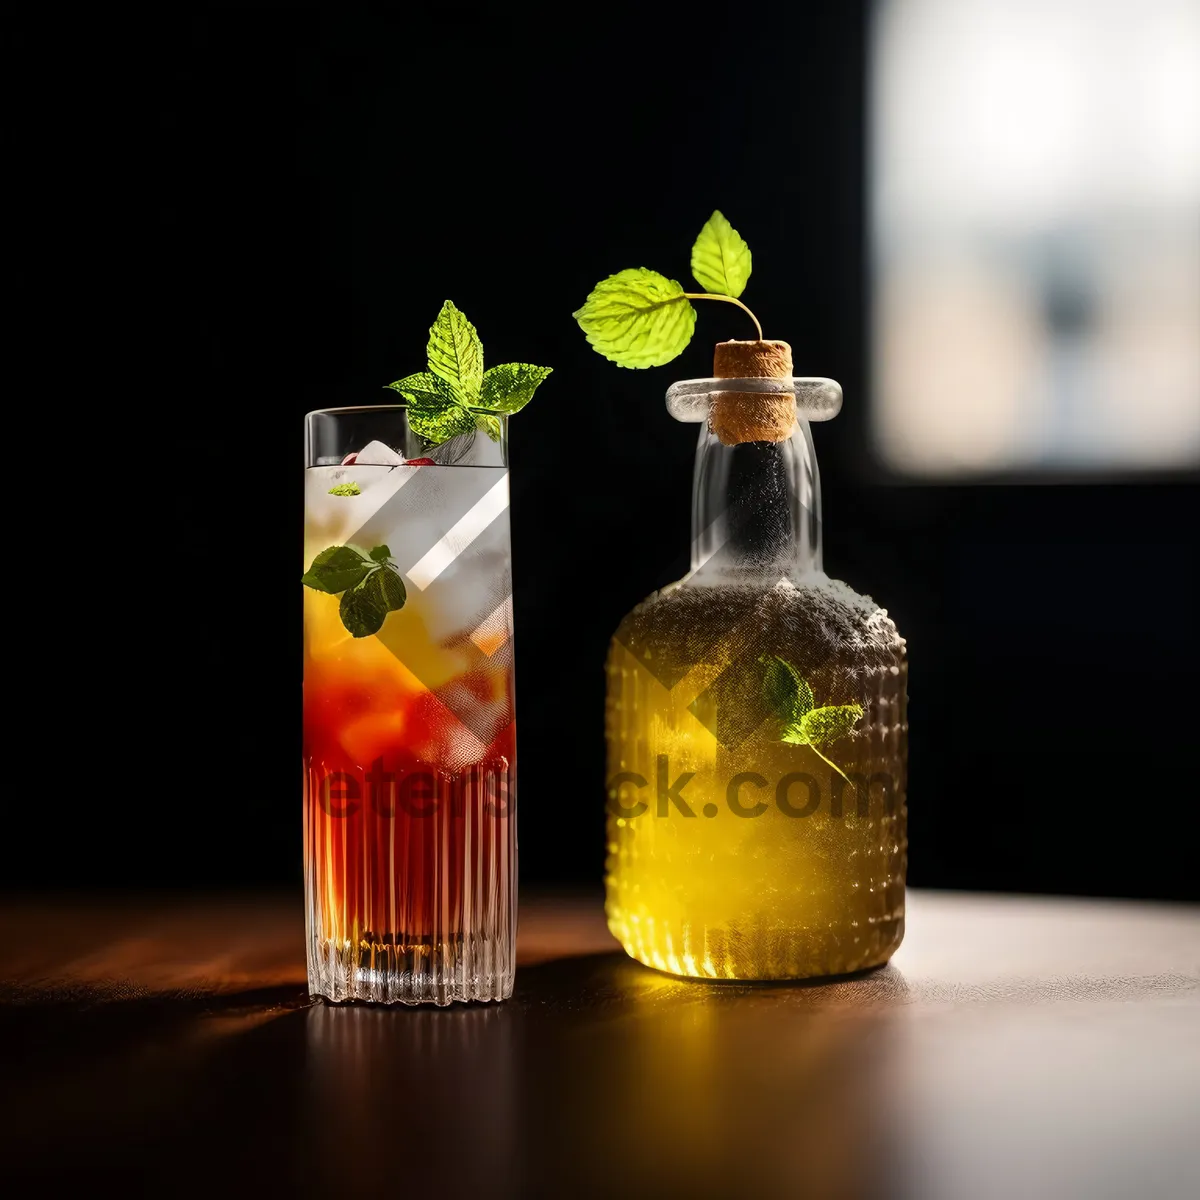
x,y
804,620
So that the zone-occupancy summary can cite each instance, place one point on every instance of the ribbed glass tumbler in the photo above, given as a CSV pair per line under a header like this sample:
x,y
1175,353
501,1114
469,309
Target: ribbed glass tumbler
x,y
410,850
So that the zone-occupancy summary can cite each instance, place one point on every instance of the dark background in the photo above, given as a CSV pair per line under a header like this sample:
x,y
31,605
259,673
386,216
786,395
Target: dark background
x,y
306,188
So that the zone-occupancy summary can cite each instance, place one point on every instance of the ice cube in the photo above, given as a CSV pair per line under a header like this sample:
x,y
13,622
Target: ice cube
x,y
376,454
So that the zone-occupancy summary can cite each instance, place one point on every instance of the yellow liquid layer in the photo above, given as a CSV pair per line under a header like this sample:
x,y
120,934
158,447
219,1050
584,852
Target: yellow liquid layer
x,y
793,872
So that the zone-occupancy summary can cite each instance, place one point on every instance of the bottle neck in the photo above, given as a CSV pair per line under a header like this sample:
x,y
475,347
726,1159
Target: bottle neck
x,y
756,510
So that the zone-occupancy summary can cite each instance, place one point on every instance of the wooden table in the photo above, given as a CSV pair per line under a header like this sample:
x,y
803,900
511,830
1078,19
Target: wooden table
x,y
1014,1048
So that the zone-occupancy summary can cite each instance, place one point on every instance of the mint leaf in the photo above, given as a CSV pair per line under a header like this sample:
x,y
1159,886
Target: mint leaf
x,y
638,318
720,258
456,354
786,694
364,608
437,424
489,424
441,400
362,612
425,387
433,411
381,554
346,489
337,568
510,386
820,725
828,724
389,587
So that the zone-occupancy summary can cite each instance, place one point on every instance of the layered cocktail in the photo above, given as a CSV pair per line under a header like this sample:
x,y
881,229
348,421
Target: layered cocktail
x,y
409,733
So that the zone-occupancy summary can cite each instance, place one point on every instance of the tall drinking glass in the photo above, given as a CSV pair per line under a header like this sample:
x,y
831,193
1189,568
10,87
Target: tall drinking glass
x,y
410,849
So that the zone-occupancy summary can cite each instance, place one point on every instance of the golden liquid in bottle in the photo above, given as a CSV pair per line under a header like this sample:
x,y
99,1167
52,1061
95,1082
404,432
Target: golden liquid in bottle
x,y
781,867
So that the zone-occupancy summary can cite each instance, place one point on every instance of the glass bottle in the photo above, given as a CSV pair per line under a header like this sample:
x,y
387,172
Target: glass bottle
x,y
756,726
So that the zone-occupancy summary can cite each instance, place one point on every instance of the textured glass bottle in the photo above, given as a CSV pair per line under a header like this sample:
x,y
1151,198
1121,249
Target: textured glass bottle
x,y
756,824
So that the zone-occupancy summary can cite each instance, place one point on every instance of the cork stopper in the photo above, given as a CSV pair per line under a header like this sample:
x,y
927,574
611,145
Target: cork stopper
x,y
752,416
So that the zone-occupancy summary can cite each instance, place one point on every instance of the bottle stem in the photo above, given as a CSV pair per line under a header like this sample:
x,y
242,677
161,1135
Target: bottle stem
x,y
728,300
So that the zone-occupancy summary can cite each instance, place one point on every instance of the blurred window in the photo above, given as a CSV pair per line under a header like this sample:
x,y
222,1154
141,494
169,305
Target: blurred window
x,y
1035,202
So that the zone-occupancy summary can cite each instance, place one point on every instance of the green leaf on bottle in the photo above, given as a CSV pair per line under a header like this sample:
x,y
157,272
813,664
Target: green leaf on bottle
x,y
456,354
822,725
721,261
785,692
638,318
337,568
790,698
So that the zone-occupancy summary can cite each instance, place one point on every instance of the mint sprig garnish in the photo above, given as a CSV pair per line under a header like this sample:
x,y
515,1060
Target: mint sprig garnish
x,y
639,318
456,395
368,581
790,698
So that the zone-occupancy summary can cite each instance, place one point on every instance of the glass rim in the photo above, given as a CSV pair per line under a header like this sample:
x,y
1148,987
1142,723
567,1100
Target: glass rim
x,y
351,409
